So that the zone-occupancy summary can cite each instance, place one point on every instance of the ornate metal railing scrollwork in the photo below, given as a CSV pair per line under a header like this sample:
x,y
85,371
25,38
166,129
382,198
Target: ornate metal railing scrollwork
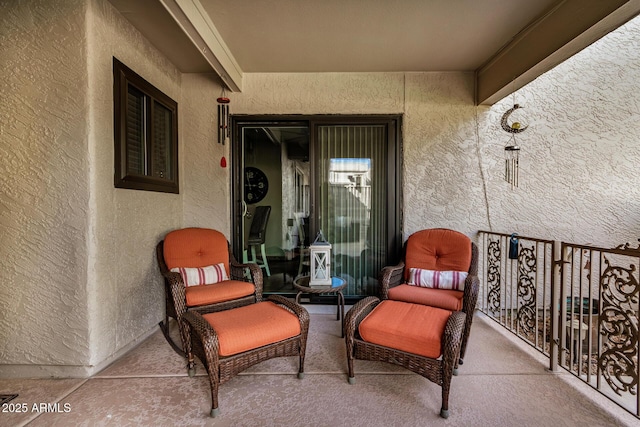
x,y
494,255
527,289
618,361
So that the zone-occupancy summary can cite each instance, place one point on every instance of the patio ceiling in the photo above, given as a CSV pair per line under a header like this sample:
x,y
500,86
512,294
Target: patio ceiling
x,y
506,43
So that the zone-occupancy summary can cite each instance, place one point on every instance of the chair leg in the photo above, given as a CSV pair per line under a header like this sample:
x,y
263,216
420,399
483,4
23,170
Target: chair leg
x,y
300,264
265,264
164,327
213,381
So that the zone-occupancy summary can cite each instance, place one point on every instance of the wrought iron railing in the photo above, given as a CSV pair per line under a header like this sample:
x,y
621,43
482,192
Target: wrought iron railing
x,y
578,305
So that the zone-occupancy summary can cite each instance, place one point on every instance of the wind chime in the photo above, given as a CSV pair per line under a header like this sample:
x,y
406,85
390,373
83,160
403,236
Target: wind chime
x,y
512,149
223,123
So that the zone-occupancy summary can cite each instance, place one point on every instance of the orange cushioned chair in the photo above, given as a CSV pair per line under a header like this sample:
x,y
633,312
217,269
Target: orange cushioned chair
x,y
423,339
201,274
437,257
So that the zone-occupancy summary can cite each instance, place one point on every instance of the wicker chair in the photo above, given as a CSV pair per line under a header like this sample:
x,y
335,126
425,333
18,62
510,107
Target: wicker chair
x,y
438,366
197,248
436,249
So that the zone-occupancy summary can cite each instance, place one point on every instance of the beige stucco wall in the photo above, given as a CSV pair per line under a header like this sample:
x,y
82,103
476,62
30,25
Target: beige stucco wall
x,y
44,185
205,184
579,159
442,178
80,284
125,293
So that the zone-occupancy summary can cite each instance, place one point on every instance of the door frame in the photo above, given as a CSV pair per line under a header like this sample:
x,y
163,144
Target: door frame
x,y
393,124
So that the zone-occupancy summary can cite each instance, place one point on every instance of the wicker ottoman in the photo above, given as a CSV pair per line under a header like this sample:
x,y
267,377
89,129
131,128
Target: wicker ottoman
x,y
228,342
423,339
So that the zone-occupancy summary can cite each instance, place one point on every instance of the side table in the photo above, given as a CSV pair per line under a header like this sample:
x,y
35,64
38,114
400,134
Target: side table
x,y
301,283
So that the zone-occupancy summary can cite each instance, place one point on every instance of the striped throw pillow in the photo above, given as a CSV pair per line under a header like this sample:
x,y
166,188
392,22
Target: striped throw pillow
x,y
437,279
203,275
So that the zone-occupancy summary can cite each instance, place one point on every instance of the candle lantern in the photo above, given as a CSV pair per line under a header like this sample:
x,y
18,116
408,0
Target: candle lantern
x,y
320,254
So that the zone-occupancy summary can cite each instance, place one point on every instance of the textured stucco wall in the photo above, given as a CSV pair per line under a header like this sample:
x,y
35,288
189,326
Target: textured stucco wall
x,y
442,178
126,295
44,185
579,159
205,184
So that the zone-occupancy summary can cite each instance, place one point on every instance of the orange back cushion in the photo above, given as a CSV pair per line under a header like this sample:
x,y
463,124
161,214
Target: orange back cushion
x,y
438,249
195,247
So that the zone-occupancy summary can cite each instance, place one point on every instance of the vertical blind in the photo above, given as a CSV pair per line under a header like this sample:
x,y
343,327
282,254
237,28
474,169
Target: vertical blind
x,y
136,143
161,144
160,136
352,202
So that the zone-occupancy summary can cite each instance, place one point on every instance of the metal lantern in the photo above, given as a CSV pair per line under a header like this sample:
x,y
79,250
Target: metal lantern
x,y
320,254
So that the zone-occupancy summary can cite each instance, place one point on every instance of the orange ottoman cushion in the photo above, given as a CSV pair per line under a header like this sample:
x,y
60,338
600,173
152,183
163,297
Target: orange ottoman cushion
x,y
407,327
217,292
252,326
441,298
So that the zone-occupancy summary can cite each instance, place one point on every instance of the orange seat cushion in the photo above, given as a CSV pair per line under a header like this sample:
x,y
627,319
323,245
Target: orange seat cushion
x,y
438,249
252,326
195,247
218,292
442,298
407,327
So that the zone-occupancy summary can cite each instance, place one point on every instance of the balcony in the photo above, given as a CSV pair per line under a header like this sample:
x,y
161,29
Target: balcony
x,y
503,382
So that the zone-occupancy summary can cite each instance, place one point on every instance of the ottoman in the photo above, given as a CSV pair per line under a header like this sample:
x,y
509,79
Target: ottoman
x,y
423,339
228,342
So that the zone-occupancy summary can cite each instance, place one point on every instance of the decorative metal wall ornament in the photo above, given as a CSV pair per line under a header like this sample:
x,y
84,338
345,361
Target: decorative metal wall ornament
x,y
514,126
223,118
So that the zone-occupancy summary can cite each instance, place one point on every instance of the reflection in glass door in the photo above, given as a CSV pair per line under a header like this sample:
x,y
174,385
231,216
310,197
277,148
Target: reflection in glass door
x,y
274,219
352,168
336,174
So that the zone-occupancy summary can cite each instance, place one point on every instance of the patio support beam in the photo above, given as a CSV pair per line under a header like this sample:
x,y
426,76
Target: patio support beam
x,y
195,23
564,30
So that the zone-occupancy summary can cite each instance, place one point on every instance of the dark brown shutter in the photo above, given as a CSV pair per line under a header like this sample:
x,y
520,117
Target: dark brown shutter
x,y
135,131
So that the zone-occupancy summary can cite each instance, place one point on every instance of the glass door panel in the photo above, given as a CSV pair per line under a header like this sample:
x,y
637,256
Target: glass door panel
x,y
352,178
275,179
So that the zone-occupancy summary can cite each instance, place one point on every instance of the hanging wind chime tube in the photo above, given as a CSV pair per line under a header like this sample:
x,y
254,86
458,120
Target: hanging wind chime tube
x,y
223,118
512,164
512,150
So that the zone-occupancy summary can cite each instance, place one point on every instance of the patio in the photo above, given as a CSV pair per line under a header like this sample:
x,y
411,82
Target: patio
x,y
503,382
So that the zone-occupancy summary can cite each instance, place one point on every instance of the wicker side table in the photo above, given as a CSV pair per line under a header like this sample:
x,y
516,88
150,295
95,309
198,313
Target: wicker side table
x,y
301,283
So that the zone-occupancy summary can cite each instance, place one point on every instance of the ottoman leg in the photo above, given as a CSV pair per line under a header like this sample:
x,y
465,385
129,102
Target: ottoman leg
x,y
215,410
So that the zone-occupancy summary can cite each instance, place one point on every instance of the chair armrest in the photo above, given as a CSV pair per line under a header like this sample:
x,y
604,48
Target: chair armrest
x,y
470,297
452,339
196,324
354,316
176,288
390,276
297,309
238,273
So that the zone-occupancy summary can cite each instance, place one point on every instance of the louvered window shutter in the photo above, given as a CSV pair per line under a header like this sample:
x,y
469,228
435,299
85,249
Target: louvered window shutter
x,y
161,143
135,132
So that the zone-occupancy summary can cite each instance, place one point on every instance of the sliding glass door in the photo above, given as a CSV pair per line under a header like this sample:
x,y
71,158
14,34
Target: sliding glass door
x,y
352,196
338,175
